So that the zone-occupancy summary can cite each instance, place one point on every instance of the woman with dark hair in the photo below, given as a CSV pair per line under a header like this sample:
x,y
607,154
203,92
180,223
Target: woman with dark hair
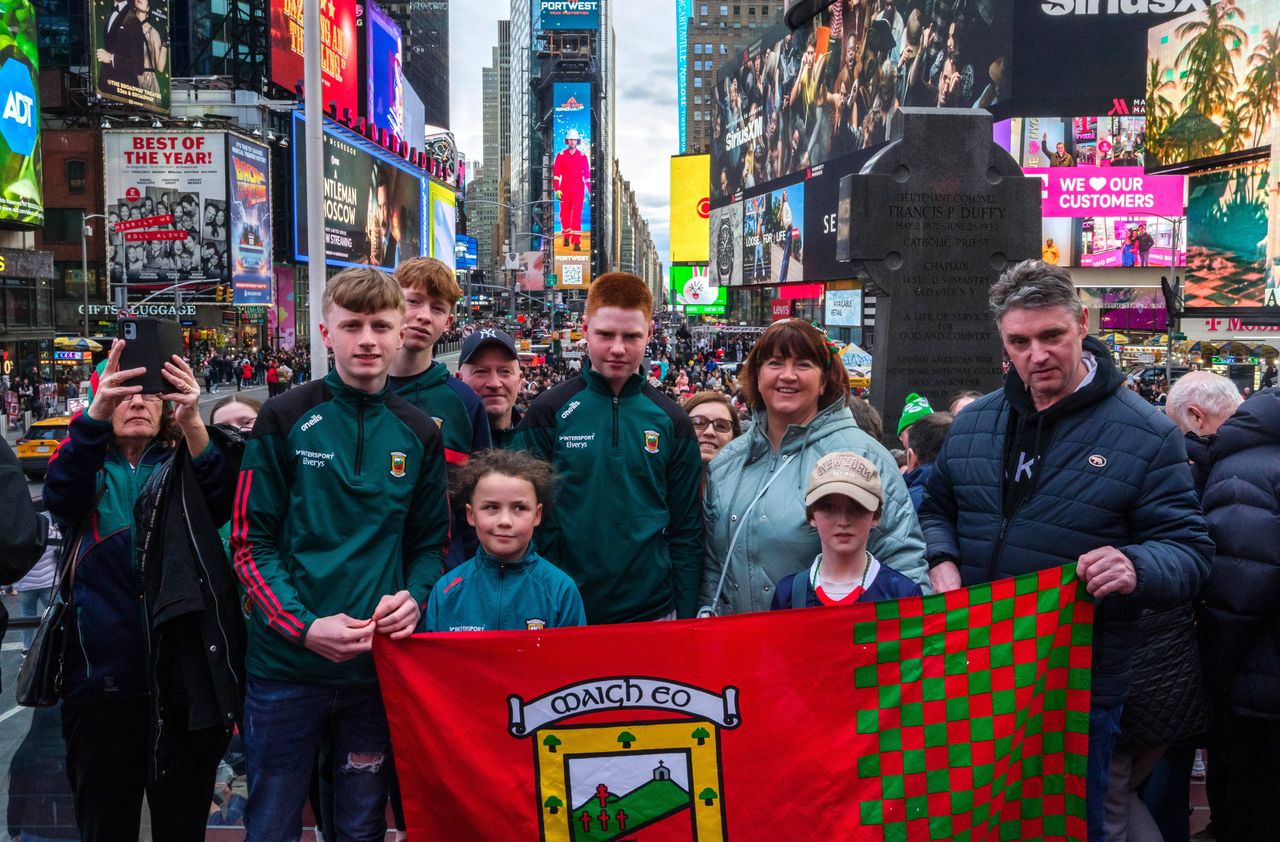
x,y
756,529
714,420
146,708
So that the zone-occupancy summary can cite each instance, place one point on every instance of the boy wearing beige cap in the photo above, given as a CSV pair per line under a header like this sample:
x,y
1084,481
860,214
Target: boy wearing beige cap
x,y
843,502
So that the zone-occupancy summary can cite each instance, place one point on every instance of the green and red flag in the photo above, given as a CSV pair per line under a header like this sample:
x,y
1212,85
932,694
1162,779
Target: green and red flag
x,y
958,716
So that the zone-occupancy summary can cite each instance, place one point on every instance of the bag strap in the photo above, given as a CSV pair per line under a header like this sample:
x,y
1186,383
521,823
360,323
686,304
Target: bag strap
x,y
714,608
69,563
800,590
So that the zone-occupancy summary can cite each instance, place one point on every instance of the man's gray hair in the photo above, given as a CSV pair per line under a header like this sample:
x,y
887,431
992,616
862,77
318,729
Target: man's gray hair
x,y
1213,393
1034,284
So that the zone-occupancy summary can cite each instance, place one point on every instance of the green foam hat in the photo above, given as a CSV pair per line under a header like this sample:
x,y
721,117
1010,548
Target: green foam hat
x,y
917,407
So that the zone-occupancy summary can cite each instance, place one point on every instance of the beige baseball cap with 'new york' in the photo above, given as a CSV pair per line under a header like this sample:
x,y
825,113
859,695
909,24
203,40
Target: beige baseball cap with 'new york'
x,y
848,474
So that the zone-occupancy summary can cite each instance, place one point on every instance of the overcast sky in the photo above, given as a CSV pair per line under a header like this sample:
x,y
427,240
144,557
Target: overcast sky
x,y
646,135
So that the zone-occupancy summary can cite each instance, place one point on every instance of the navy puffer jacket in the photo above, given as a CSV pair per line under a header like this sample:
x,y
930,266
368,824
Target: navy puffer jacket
x,y
1240,627
1113,471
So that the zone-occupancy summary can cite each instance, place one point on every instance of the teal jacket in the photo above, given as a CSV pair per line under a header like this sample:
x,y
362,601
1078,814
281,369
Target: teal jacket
x,y
626,525
776,539
341,501
485,594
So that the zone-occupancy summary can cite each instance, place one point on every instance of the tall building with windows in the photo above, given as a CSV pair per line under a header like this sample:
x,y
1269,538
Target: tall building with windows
x,y
540,58
712,32
487,196
424,30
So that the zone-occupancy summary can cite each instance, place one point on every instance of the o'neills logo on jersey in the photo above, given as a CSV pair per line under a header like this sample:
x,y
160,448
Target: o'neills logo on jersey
x,y
1122,7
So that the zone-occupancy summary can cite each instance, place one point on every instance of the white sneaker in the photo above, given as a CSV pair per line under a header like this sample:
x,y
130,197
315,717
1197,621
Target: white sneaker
x,y
1197,768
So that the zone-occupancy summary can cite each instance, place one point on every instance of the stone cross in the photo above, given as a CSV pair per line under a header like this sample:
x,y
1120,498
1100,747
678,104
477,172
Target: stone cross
x,y
931,221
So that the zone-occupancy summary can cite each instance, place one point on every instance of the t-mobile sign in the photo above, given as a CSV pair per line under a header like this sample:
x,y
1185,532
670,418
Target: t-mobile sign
x,y
1110,191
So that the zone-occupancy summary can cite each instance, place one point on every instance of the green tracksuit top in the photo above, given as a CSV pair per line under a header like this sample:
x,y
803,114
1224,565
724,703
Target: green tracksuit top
x,y
485,594
459,413
627,522
341,501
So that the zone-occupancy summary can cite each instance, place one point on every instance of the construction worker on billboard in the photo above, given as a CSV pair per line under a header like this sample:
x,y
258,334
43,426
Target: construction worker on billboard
x,y
571,175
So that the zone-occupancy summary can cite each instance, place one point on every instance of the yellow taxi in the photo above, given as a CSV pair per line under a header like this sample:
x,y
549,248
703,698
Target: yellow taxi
x,y
40,443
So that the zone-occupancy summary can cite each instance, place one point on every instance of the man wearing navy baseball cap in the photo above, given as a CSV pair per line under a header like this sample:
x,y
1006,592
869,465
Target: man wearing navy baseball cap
x,y
490,365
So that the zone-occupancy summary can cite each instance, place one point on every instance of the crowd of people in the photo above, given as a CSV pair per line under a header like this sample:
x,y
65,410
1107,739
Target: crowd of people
x,y
720,483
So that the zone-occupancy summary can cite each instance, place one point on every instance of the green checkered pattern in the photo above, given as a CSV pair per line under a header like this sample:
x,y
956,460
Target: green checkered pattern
x,y
981,725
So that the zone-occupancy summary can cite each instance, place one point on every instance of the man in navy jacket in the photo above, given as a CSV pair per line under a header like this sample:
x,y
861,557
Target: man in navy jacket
x,y
1066,466
1235,448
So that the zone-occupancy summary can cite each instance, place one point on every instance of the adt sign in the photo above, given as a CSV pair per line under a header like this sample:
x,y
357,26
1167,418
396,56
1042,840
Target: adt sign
x,y
18,119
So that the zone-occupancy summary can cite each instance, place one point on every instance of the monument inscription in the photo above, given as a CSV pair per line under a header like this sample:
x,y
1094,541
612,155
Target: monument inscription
x,y
930,222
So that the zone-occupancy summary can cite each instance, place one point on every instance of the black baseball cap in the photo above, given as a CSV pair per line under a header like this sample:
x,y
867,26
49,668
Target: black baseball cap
x,y
486,336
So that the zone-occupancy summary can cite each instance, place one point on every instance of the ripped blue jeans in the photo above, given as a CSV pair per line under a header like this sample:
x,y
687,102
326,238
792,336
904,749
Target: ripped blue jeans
x,y
282,726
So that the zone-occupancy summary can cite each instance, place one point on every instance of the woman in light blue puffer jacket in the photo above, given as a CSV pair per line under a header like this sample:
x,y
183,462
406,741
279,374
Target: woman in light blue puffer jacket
x,y
756,529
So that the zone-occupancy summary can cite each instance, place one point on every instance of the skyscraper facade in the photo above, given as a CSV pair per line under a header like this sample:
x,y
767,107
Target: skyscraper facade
x,y
547,50
424,26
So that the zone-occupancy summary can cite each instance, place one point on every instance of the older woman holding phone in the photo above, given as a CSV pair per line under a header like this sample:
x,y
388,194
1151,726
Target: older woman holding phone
x,y
133,722
756,529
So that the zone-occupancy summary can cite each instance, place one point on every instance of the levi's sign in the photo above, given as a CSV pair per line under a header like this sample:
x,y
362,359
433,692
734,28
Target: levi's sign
x,y
1109,191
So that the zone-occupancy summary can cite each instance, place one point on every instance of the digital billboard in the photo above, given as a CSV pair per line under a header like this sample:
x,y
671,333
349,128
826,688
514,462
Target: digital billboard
x,y
568,14
793,100
842,307
339,51
571,181
690,208
684,9
692,289
1212,80
772,245
251,271
21,168
726,245
129,52
384,75
1106,141
1100,208
375,206
467,250
444,223
1052,36
1227,229
166,197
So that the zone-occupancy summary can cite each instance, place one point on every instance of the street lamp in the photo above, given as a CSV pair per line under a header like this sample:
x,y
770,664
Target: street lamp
x,y
85,233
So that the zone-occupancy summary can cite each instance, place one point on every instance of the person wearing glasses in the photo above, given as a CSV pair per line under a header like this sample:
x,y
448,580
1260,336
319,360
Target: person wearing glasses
x,y
135,723
714,421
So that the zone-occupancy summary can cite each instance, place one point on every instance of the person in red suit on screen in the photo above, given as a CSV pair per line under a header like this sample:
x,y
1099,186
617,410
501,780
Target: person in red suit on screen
x,y
571,175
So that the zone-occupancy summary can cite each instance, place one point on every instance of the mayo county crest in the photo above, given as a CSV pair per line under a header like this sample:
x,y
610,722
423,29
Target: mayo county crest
x,y
628,778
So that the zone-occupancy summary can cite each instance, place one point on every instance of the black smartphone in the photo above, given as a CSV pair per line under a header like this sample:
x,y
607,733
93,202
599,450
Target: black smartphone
x,y
149,344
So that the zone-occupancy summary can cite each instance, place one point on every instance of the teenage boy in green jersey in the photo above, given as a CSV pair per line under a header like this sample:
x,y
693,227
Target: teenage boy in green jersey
x,y
430,293
628,527
338,534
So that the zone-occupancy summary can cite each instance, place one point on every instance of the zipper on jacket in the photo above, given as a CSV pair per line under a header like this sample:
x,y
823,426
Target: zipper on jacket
x,y
359,436
615,420
217,609
993,563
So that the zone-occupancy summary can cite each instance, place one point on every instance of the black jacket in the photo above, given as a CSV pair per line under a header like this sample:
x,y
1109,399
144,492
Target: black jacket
x,y
197,634
22,535
1110,470
1239,470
